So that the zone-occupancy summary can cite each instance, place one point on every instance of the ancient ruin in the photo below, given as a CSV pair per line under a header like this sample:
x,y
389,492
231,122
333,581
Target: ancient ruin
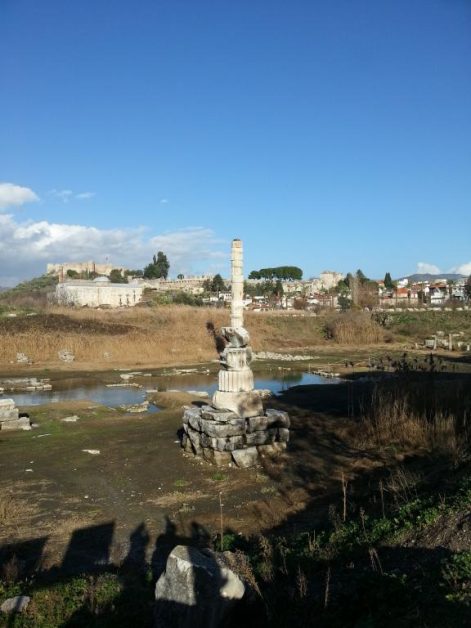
x,y
235,428
10,417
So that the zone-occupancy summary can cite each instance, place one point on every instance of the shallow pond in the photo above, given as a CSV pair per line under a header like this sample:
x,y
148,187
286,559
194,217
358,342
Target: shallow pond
x,y
115,396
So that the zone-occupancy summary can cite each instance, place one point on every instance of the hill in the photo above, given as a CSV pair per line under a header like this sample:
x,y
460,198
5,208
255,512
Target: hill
x,y
417,277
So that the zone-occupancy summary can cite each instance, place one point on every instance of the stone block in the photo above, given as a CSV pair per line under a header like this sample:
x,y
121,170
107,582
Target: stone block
x,y
16,424
9,415
194,422
222,444
190,412
196,590
277,418
262,437
256,423
218,458
245,458
195,439
243,404
222,430
215,414
283,434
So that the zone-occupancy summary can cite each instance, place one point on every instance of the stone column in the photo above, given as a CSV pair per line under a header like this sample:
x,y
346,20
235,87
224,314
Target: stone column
x,y
236,385
237,307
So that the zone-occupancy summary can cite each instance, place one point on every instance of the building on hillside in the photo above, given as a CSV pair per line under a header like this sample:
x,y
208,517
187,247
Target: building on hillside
x,y
60,270
193,285
99,292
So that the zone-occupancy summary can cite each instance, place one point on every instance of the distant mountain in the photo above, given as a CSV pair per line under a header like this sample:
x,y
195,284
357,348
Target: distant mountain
x,y
429,277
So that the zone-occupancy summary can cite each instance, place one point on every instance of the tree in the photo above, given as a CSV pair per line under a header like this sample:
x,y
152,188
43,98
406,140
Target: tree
x,y
467,288
289,273
180,276
388,282
218,284
255,274
360,275
134,273
116,276
158,268
72,274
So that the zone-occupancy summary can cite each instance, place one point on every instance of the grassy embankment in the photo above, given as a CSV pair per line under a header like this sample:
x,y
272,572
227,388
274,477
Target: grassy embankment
x,y
169,335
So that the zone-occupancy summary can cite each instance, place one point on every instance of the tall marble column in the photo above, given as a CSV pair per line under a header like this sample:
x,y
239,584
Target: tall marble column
x,y
236,385
237,305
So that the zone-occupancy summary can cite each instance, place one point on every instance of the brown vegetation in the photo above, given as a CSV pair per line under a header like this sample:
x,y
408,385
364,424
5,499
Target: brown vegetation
x,y
354,328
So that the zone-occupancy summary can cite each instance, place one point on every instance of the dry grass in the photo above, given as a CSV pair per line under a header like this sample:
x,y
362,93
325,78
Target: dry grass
x,y
157,336
391,420
354,328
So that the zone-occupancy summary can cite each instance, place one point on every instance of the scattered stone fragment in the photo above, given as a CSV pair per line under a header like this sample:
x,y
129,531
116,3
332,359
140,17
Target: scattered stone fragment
x,y
71,419
22,358
65,355
137,408
93,452
16,604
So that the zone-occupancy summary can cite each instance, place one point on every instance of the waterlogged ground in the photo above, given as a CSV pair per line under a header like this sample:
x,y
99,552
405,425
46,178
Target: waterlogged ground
x,y
112,467
116,471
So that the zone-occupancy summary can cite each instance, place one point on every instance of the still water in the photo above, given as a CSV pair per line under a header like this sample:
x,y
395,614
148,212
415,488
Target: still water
x,y
114,397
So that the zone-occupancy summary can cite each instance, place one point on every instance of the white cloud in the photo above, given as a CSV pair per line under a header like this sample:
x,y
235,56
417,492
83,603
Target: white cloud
x,y
85,195
12,195
463,269
66,195
26,247
62,195
426,268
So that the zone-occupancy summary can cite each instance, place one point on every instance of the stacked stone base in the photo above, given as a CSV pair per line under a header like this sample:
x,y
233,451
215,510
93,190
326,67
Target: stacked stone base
x,y
222,437
10,418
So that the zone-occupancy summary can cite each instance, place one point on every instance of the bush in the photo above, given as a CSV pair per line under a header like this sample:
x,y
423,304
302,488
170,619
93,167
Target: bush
x,y
353,328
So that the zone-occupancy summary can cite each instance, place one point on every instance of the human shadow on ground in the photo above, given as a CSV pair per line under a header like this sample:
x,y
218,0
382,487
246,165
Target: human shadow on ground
x,y
88,557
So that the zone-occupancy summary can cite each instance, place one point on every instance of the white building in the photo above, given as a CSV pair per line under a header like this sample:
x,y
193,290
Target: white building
x,y
98,292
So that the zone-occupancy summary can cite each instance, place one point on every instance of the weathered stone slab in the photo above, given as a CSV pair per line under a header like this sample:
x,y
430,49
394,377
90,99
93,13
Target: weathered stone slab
x,y
219,458
196,590
16,604
222,416
262,437
222,430
194,422
243,404
22,423
195,439
256,423
245,458
190,412
222,444
277,418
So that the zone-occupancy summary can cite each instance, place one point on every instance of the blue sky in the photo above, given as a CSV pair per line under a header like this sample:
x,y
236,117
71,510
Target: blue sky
x,y
328,134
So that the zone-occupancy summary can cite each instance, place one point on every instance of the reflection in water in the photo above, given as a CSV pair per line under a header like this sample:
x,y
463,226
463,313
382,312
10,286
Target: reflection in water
x,y
116,396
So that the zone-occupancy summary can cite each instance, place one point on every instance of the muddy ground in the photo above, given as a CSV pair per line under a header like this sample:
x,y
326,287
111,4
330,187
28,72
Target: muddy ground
x,y
52,491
